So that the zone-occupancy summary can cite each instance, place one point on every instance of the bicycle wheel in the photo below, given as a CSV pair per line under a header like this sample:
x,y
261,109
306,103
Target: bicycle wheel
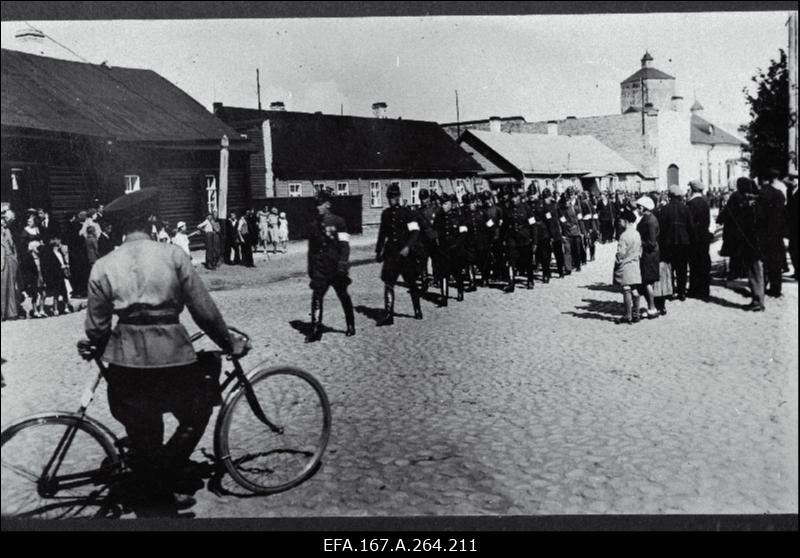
x,y
264,461
81,479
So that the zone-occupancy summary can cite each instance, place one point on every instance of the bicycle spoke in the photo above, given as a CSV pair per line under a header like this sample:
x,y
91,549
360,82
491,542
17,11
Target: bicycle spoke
x,y
21,472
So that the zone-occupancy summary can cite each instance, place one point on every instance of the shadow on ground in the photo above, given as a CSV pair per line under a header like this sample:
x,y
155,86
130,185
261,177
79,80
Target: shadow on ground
x,y
603,310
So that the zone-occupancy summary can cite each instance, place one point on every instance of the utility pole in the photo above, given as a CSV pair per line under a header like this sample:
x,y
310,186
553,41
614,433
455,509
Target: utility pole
x,y
792,65
458,118
258,88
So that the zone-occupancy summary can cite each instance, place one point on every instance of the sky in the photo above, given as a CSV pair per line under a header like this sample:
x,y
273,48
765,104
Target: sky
x,y
539,67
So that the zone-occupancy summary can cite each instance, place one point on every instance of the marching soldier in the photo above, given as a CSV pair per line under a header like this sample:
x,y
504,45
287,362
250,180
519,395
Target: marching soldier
x,y
588,227
328,255
553,222
518,240
571,227
426,215
494,222
397,248
451,232
544,241
477,243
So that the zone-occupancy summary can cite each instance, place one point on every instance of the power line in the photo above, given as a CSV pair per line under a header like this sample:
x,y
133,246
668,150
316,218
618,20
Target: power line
x,y
120,82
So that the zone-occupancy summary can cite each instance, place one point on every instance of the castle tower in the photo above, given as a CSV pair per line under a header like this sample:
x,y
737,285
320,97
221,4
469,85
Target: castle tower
x,y
647,85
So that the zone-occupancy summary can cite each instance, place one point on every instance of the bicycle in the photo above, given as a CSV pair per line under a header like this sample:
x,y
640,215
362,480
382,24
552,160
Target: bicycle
x,y
291,431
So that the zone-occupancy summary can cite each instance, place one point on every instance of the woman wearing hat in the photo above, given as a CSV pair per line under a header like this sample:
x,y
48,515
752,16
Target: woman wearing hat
x,y
627,273
650,259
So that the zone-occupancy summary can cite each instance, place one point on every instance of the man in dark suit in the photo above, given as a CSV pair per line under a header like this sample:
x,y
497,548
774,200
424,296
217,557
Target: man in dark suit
x,y
772,228
676,226
699,257
791,212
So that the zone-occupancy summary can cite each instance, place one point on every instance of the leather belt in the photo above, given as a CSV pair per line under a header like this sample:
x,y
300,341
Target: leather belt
x,y
149,319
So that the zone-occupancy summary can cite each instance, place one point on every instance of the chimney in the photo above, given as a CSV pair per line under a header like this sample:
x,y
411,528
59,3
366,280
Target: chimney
x,y
677,103
495,124
216,106
379,109
277,105
552,128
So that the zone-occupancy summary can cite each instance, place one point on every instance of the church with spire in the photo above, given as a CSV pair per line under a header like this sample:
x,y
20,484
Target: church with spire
x,y
667,142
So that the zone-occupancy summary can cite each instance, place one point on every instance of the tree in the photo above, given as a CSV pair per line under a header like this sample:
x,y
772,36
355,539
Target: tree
x,y
767,134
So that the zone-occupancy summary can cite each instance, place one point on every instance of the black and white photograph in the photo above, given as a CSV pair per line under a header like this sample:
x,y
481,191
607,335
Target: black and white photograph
x,y
399,261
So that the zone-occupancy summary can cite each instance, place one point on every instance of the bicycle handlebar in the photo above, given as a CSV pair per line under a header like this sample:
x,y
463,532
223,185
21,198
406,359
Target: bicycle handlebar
x,y
200,334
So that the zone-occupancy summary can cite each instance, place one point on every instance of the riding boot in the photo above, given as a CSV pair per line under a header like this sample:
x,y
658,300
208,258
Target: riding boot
x,y
388,304
415,303
460,286
315,334
511,280
530,279
350,319
445,289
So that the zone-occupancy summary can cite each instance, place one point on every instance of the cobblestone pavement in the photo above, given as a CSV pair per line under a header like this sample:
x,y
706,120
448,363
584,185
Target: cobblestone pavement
x,y
523,403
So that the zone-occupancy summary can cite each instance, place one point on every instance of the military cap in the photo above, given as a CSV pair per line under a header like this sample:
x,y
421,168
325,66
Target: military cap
x,y
444,198
546,193
486,195
393,191
435,196
424,194
467,198
141,203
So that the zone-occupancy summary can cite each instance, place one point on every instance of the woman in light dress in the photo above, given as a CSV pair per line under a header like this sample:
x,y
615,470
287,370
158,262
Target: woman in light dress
x,y
283,231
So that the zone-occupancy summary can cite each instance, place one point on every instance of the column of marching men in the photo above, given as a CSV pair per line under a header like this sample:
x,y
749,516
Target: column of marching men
x,y
488,239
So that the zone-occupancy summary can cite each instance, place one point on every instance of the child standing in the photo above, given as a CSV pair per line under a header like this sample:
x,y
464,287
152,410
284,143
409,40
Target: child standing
x,y
283,231
627,272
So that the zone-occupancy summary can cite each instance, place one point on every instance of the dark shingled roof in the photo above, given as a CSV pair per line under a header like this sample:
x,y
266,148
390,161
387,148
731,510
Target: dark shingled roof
x,y
321,143
647,73
126,104
703,131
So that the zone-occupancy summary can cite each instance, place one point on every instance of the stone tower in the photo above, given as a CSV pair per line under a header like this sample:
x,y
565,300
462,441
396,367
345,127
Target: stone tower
x,y
647,85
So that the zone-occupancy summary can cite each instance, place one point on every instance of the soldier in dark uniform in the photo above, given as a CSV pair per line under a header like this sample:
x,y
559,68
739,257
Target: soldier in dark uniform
x,y
590,223
494,223
477,242
426,215
552,220
397,248
451,232
577,204
518,237
699,256
328,265
544,246
570,227
531,204
772,228
152,366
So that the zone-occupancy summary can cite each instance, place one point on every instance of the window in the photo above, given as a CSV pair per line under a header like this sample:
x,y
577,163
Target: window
x,y
318,187
16,179
375,196
342,188
295,190
433,185
211,193
415,192
131,183
719,174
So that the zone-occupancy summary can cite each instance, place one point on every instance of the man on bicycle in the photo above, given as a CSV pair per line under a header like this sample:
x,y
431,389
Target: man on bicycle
x,y
152,365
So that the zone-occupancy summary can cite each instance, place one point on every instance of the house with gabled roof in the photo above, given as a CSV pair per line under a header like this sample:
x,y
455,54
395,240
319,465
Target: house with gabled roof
x,y
75,134
300,152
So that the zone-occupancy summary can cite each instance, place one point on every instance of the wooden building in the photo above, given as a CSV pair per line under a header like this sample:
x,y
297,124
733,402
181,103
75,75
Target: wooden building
x,y
300,152
77,134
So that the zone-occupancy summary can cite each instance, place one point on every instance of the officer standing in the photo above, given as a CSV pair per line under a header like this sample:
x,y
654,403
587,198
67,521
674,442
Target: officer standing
x,y
328,265
519,241
451,232
571,227
397,248
152,366
544,247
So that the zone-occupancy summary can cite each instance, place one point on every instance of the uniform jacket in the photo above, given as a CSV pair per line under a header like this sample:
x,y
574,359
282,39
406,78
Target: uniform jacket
x,y
428,216
477,233
328,247
552,217
495,215
145,279
570,226
398,229
450,229
518,225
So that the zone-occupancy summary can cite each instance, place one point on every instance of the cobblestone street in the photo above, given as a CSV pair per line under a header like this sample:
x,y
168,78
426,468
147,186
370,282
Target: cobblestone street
x,y
533,402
